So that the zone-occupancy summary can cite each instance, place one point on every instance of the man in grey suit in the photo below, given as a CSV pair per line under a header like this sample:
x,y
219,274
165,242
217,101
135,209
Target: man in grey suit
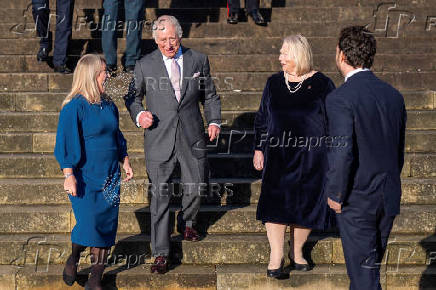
x,y
173,79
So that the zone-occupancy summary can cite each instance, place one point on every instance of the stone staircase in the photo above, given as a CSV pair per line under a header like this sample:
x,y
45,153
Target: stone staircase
x,y
35,215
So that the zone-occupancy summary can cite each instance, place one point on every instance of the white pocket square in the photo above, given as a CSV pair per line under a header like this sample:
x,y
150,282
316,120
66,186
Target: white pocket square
x,y
196,75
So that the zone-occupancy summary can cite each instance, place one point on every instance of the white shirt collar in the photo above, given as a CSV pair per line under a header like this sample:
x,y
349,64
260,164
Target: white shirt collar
x,y
353,72
177,56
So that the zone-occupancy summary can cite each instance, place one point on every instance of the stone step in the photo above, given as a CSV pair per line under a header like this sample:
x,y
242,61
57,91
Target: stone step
x,y
182,277
87,17
20,4
215,45
224,81
44,122
33,165
41,250
247,63
225,191
324,277
134,219
229,277
229,141
421,27
240,101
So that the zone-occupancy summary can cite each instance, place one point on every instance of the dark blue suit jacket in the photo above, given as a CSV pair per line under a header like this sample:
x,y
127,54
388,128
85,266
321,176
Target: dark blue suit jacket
x,y
371,117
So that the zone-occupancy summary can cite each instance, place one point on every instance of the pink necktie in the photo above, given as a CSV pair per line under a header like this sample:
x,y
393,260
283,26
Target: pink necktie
x,y
175,78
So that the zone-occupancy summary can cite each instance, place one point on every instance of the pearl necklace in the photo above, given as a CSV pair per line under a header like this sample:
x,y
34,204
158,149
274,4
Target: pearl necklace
x,y
297,87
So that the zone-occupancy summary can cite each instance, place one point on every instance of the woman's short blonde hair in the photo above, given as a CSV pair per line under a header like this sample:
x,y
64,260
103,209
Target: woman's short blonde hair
x,y
300,52
85,75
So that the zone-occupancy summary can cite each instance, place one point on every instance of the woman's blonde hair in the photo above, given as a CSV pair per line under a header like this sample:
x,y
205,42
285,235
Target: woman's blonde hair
x,y
300,52
85,78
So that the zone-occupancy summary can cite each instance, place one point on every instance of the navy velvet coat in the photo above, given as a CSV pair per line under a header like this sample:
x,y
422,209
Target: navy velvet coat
x,y
291,130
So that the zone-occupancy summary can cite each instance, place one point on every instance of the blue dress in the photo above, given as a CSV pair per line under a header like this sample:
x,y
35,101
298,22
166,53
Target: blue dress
x,y
89,141
291,129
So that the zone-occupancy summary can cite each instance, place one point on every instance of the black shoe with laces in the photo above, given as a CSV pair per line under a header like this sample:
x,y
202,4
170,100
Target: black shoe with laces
x,y
233,18
112,69
42,54
63,69
257,17
129,69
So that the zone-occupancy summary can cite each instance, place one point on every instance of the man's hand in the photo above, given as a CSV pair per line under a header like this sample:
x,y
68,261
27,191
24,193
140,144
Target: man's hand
x,y
145,119
213,131
336,206
258,160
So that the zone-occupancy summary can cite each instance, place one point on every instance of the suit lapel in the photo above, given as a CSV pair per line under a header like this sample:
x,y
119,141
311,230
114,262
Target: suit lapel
x,y
188,63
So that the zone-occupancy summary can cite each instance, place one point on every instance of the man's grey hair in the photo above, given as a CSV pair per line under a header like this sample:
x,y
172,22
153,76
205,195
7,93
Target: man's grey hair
x,y
159,23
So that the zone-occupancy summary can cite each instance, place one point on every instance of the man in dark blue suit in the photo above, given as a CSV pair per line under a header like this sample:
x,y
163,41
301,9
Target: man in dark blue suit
x,y
363,182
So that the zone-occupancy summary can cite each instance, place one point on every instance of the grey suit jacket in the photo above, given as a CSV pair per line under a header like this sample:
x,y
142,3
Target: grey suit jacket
x,y
152,81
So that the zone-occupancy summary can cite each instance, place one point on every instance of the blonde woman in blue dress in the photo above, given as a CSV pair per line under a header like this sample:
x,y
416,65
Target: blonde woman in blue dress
x,y
89,148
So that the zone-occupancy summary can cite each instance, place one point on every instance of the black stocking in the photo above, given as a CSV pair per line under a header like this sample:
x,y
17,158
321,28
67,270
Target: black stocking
x,y
73,260
98,260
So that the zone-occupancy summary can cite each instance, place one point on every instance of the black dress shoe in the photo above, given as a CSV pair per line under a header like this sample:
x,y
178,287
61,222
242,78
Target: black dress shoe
x,y
112,69
42,54
299,267
63,69
277,273
129,69
160,265
302,267
233,18
69,280
191,235
257,17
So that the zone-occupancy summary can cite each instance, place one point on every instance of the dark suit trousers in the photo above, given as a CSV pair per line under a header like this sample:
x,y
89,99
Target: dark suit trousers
x,y
250,5
193,174
41,14
364,234
64,15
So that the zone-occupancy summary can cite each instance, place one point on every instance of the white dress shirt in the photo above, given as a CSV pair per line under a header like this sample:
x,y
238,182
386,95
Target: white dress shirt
x,y
353,72
167,61
179,59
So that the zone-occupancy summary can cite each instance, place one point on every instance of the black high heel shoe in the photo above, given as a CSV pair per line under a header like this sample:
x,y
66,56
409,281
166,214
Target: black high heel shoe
x,y
278,273
299,267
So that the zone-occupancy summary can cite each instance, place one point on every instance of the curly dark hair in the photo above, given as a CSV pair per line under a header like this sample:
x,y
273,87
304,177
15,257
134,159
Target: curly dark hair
x,y
359,46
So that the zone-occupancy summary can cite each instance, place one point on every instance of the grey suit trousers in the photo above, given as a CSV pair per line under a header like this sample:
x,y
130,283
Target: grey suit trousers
x,y
194,174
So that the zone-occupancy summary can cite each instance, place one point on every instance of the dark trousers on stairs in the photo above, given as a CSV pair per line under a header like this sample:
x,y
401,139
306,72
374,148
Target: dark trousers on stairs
x,y
364,231
63,18
250,5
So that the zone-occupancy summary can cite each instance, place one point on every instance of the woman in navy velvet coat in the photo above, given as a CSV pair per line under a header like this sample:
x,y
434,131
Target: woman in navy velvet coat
x,y
89,148
290,148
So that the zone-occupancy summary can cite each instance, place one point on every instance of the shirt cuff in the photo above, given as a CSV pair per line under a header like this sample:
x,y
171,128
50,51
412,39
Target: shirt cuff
x,y
137,119
216,124
335,198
